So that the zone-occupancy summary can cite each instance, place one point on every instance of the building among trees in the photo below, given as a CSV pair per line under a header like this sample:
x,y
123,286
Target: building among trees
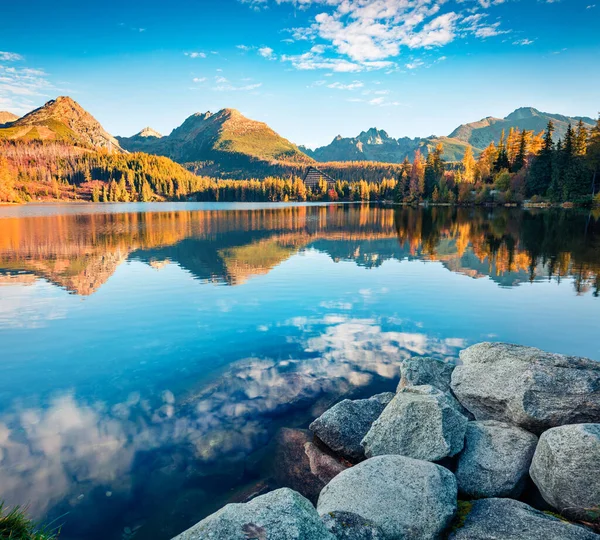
x,y
314,178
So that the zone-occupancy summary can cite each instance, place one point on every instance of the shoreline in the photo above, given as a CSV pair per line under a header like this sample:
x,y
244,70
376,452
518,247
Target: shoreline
x,y
451,454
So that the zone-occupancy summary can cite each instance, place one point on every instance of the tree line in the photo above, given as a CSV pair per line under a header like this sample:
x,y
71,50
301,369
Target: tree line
x,y
523,165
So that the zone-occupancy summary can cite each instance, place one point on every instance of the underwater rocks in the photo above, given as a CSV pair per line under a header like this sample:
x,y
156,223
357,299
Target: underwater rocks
x,y
398,492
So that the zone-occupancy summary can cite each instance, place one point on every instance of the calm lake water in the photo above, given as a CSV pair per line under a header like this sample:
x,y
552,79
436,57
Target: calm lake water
x,y
149,353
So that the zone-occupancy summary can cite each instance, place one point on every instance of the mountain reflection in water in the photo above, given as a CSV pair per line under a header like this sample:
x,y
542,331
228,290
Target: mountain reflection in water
x,y
144,400
81,252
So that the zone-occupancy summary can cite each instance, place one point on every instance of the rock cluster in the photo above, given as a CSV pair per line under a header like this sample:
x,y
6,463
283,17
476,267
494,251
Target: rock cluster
x,y
505,421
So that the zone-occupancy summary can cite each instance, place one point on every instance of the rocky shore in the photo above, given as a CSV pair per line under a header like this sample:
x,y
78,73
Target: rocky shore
x,y
503,446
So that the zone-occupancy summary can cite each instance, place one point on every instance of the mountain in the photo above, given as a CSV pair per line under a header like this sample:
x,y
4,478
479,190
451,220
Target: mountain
x,y
480,134
148,132
227,138
61,119
144,141
7,118
377,145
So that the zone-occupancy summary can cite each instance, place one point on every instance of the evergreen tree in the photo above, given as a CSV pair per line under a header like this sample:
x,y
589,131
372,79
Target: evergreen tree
x,y
434,170
519,162
540,176
502,162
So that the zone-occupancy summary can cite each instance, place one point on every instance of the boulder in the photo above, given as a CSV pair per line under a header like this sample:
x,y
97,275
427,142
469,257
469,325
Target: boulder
x,y
420,422
301,465
566,470
282,514
507,519
495,460
349,526
343,427
419,371
406,498
527,387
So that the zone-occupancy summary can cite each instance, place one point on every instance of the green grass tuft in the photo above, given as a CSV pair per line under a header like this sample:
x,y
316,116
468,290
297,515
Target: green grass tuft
x,y
463,511
15,525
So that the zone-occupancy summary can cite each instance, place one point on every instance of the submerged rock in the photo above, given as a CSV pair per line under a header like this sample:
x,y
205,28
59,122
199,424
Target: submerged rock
x,y
282,514
349,526
301,465
495,460
419,371
507,519
406,498
421,422
343,426
566,470
527,387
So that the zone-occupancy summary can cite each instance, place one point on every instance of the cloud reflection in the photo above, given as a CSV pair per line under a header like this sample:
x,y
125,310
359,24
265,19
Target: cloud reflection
x,y
55,455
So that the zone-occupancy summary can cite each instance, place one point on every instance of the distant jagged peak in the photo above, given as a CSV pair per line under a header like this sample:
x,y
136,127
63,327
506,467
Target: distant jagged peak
x,y
375,136
148,132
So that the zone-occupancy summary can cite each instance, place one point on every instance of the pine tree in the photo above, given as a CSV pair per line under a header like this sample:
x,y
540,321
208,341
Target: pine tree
x,y
540,176
502,162
519,162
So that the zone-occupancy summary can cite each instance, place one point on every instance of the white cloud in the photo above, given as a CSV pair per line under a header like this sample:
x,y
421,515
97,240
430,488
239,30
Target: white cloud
x,y
351,86
267,52
199,79
20,84
195,54
10,56
523,42
415,64
365,34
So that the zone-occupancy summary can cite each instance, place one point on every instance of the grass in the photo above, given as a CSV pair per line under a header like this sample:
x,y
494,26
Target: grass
x,y
15,525
462,512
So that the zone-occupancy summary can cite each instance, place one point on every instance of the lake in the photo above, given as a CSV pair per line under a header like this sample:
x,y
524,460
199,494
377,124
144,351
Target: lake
x,y
149,353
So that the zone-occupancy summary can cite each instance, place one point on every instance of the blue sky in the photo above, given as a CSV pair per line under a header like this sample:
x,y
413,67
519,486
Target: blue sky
x,y
312,69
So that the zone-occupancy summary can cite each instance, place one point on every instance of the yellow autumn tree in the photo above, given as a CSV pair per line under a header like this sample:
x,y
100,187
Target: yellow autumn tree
x,y
468,166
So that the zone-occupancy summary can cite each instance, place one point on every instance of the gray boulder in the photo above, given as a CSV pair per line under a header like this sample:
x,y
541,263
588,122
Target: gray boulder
x,y
527,387
406,498
495,460
343,427
418,371
507,519
282,514
349,526
420,422
566,470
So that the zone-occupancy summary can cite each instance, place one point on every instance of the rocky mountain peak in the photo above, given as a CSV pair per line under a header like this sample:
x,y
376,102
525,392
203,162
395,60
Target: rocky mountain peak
x,y
66,111
149,132
522,113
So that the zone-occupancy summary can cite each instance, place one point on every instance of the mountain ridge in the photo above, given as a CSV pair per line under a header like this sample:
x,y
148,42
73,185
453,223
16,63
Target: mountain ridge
x,y
376,145
61,119
226,137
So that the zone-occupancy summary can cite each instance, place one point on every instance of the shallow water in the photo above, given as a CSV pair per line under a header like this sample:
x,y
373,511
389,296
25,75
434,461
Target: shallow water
x,y
149,353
